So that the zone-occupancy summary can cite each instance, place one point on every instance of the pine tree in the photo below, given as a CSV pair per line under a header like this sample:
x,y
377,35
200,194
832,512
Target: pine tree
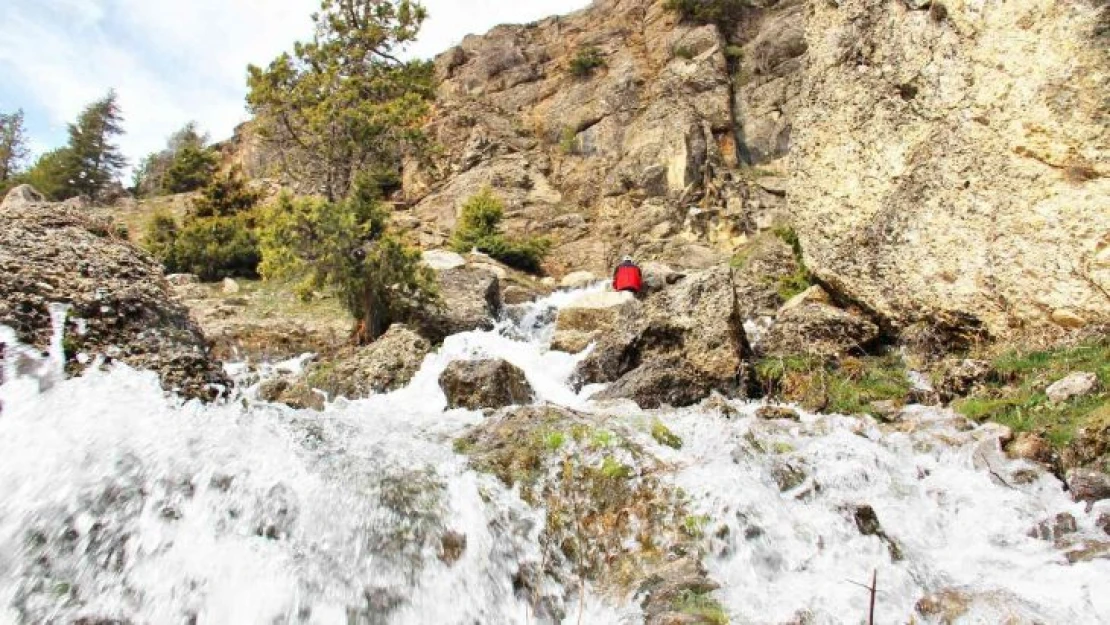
x,y
93,159
13,146
344,103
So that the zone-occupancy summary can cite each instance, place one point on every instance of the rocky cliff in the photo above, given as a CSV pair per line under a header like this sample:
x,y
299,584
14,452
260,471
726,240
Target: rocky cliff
x,y
943,164
951,160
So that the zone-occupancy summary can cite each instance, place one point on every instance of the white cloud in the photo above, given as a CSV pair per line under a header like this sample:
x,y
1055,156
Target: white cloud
x,y
173,61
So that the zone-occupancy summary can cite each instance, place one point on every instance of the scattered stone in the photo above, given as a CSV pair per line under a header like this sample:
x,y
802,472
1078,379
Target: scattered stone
x,y
948,605
571,341
718,403
886,410
442,260
229,286
21,196
662,591
1077,384
813,295
777,412
1055,529
452,546
818,330
868,524
293,393
1103,522
515,295
1067,318
478,384
958,378
1088,485
787,475
1031,447
182,279
1093,550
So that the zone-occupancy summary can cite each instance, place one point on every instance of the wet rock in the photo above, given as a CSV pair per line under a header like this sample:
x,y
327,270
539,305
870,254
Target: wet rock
x,y
485,384
52,253
1031,447
1088,485
719,404
887,410
665,590
385,365
293,393
452,547
659,383
1093,550
1103,522
777,412
470,300
959,377
947,605
787,475
515,295
1077,384
1055,529
868,524
572,341
818,330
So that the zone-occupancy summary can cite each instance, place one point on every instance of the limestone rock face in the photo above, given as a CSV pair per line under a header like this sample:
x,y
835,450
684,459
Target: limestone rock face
x,y
631,158
485,384
956,161
119,302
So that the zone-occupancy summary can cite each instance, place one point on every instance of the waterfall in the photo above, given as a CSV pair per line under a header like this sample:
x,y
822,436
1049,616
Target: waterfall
x,y
119,503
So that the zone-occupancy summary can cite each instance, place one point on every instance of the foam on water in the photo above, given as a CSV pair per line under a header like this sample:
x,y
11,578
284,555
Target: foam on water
x,y
117,502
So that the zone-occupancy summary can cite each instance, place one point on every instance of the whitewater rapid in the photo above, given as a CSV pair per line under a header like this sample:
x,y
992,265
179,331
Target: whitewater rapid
x,y
118,503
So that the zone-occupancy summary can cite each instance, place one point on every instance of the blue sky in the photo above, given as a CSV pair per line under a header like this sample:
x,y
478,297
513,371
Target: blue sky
x,y
172,61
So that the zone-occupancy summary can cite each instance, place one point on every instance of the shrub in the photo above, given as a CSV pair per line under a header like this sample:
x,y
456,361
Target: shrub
x,y
479,228
708,11
218,238
568,141
586,61
734,52
347,246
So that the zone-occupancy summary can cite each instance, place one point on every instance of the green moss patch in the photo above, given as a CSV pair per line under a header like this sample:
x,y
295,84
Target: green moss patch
x,y
847,386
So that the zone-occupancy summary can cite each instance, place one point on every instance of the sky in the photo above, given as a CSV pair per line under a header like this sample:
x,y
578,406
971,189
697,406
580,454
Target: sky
x,y
172,61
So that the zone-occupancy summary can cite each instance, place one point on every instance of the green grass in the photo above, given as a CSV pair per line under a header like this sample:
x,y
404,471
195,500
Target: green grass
x,y
701,605
847,386
1014,394
586,61
664,436
694,525
614,470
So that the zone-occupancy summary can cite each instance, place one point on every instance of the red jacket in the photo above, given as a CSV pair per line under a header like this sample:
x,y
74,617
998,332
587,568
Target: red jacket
x,y
628,278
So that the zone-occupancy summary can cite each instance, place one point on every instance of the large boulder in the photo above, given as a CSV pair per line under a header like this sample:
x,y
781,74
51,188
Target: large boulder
x,y
478,384
1077,384
470,300
659,383
119,302
20,196
382,366
818,330
691,324
974,188
589,317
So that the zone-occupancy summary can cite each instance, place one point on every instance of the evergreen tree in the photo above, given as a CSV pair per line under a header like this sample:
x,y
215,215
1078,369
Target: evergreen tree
x,y
186,164
479,228
51,174
13,146
343,103
93,160
348,246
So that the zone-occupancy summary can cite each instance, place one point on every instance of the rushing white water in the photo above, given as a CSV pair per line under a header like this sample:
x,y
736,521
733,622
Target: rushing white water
x,y
117,502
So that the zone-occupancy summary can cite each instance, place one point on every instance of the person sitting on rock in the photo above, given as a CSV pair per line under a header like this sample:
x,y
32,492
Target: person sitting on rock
x,y
628,277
